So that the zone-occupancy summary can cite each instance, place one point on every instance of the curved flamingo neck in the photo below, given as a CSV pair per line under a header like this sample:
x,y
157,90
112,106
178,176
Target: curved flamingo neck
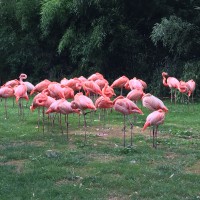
x,y
164,75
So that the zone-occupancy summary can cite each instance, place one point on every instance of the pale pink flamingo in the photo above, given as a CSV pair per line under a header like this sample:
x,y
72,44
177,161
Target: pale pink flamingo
x,y
126,107
153,103
184,88
192,86
154,119
82,102
172,83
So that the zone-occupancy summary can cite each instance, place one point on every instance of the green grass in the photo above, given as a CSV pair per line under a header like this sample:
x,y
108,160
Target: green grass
x,y
37,165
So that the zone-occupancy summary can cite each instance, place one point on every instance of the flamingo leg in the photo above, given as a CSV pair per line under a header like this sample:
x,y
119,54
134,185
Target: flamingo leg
x,y
153,136
38,122
85,124
124,130
6,113
104,118
43,120
156,134
67,125
171,95
60,121
121,91
131,130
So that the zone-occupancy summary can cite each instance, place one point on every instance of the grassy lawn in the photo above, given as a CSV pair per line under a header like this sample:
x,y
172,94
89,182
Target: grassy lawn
x,y
37,165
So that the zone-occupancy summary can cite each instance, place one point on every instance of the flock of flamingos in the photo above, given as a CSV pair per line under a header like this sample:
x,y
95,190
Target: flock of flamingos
x,y
92,93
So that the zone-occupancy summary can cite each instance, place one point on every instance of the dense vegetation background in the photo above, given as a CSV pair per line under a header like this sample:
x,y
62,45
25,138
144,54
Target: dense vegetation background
x,y
66,38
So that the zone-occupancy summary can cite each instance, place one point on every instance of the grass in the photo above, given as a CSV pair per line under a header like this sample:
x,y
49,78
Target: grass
x,y
37,165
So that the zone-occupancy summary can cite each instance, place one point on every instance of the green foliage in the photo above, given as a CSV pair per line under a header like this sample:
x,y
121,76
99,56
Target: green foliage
x,y
177,35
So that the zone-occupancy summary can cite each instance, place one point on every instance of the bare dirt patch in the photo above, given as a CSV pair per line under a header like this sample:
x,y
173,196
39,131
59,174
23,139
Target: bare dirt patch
x,y
19,165
104,158
18,144
195,169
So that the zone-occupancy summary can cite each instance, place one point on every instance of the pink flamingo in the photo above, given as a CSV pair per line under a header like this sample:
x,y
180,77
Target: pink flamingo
x,y
120,82
41,100
41,86
6,92
62,106
83,102
55,90
126,107
20,92
90,87
154,119
96,76
170,82
192,86
108,91
103,103
135,95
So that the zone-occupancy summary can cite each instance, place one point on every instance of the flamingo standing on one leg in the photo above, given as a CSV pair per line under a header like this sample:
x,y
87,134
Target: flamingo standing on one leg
x,y
126,107
154,119
103,103
120,82
83,102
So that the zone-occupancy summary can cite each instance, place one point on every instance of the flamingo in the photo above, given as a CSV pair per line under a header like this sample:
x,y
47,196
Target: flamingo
x,y
108,91
20,91
41,100
91,87
41,86
103,103
120,82
192,86
135,84
170,82
184,88
55,90
135,95
154,119
126,107
6,92
96,76
12,83
62,106
82,102
153,103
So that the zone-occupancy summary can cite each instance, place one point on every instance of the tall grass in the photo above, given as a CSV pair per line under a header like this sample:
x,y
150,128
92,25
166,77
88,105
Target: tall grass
x,y
37,165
